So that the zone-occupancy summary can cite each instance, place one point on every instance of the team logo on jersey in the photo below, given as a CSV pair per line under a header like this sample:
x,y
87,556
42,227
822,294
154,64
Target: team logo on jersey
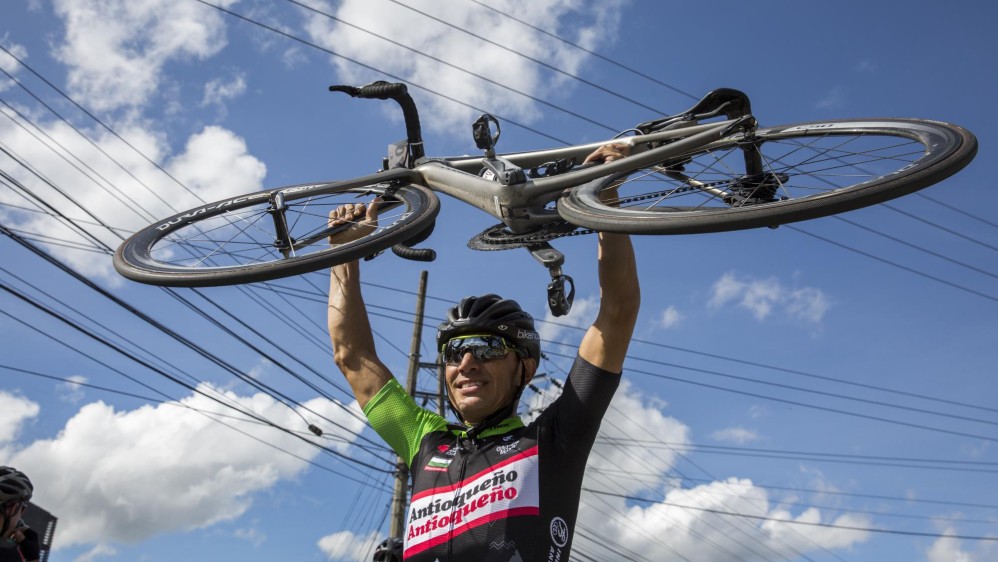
x,y
510,488
504,450
438,464
559,532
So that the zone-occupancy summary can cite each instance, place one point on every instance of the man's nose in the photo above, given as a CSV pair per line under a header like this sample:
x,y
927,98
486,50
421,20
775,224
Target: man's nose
x,y
468,361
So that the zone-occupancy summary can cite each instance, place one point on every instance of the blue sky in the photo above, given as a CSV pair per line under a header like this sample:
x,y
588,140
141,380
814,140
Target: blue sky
x,y
820,372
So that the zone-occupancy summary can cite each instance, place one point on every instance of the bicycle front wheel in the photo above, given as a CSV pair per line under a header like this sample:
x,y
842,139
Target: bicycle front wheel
x,y
773,176
270,234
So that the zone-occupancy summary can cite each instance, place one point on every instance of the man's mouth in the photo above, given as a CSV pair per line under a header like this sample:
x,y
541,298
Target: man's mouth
x,y
470,385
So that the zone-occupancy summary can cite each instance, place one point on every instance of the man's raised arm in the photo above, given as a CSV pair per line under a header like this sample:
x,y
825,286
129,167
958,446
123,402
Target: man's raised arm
x,y
349,326
605,344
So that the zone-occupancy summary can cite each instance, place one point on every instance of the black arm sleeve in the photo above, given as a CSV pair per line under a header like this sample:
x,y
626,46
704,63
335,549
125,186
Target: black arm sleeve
x,y
579,410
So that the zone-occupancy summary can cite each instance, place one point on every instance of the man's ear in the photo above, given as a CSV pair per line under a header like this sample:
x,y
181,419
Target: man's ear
x,y
530,368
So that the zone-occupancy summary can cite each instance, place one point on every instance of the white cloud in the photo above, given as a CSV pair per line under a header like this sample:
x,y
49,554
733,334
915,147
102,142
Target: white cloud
x,y
220,90
634,413
71,391
7,62
565,17
811,536
560,328
697,527
766,297
252,535
14,412
946,549
96,553
866,66
348,546
620,465
126,192
216,163
159,469
116,49
738,435
670,318
833,99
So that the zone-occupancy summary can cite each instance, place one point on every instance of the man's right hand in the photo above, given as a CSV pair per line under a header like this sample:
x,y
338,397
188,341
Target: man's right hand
x,y
363,219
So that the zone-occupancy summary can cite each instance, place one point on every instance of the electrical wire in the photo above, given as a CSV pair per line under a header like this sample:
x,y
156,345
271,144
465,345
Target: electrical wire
x,y
797,522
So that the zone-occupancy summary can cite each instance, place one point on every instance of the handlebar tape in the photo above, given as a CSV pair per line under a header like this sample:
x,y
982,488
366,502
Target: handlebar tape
x,y
405,250
414,254
376,90
399,92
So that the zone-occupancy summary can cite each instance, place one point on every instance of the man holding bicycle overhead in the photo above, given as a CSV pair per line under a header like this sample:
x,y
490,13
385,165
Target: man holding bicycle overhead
x,y
492,488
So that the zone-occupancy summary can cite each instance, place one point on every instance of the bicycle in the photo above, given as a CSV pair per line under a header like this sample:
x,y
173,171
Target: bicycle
x,y
711,168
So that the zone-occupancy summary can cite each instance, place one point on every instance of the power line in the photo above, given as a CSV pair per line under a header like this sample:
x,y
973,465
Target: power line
x,y
894,264
796,522
870,460
458,68
161,372
585,50
176,336
514,52
210,415
380,71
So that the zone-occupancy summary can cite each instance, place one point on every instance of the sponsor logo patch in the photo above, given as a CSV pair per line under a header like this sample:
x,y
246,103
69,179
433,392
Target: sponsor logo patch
x,y
438,464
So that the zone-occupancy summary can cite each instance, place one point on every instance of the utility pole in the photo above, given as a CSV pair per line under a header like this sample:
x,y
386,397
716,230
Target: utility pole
x,y
401,495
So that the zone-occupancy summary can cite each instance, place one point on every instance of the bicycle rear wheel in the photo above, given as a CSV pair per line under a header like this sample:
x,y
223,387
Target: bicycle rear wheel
x,y
270,234
809,170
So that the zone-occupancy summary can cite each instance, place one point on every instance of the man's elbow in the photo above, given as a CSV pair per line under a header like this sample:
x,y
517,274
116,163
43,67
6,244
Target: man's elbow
x,y
346,359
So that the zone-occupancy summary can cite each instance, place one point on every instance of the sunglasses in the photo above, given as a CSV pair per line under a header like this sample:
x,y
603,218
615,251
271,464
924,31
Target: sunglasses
x,y
483,347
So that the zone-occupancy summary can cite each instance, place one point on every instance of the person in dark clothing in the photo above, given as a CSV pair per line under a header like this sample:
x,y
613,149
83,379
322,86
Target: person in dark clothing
x,y
15,491
491,488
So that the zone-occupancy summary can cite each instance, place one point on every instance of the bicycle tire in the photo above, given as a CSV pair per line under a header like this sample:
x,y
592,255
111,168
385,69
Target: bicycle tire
x,y
816,169
232,241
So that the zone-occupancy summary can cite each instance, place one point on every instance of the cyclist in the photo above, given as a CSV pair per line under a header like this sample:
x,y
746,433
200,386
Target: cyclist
x,y
15,491
491,488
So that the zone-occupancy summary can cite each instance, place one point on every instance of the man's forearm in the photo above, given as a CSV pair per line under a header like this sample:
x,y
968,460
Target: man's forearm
x,y
605,344
620,293
351,336
349,327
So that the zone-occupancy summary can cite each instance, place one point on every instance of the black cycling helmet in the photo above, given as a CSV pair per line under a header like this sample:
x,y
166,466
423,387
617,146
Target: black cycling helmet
x,y
390,550
14,486
492,314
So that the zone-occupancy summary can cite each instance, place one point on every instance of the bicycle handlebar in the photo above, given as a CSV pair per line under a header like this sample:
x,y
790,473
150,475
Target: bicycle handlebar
x,y
400,93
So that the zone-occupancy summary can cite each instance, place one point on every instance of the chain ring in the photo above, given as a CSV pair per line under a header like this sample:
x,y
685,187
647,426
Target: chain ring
x,y
499,237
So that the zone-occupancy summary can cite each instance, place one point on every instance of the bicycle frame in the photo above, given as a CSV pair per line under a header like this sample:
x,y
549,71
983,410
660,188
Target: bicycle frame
x,y
522,206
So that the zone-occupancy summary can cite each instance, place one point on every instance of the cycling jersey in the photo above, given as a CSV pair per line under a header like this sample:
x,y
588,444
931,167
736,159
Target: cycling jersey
x,y
511,494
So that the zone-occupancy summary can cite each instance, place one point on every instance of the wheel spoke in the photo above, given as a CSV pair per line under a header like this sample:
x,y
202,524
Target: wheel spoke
x,y
807,171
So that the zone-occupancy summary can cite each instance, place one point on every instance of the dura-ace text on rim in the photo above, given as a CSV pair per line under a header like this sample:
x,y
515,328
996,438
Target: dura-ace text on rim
x,y
236,240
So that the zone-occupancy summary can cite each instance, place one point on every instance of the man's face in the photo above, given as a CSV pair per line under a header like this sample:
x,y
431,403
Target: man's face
x,y
478,388
13,512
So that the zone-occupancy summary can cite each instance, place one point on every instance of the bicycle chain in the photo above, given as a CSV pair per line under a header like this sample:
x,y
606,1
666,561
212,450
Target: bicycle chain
x,y
497,237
